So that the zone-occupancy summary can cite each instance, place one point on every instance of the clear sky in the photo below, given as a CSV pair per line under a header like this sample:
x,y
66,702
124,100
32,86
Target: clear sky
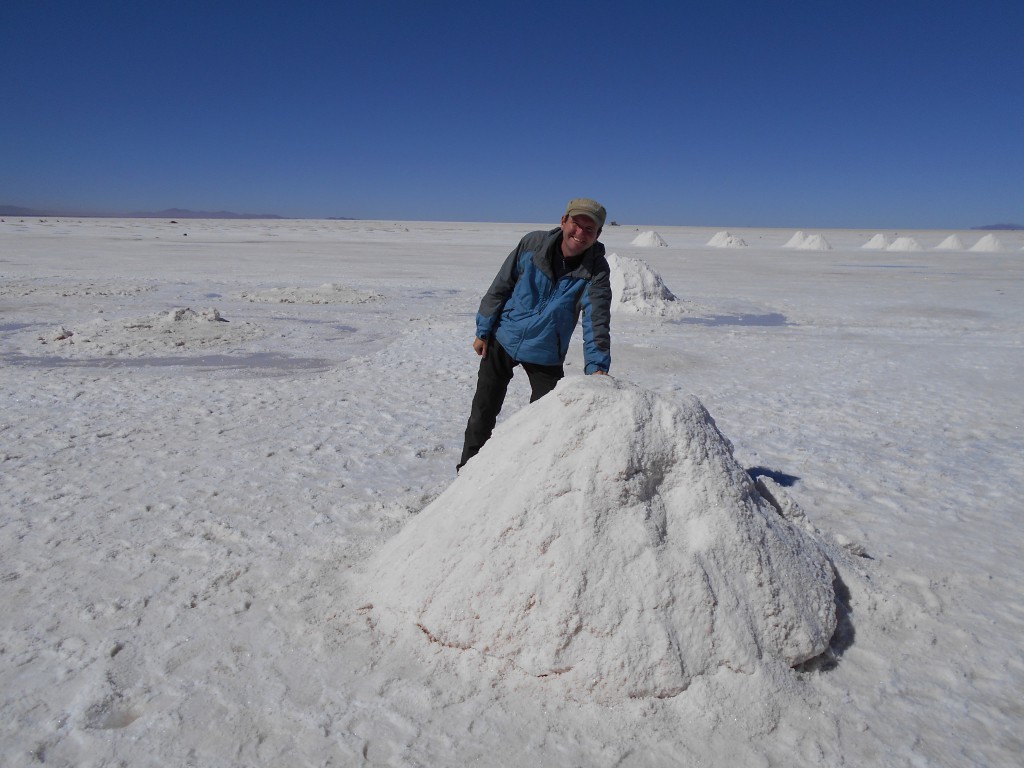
x,y
826,113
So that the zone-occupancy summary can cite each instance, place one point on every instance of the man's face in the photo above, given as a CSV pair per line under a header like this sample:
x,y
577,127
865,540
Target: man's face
x,y
579,232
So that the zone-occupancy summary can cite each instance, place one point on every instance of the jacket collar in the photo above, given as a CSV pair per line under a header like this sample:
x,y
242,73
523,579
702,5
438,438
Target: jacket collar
x,y
584,269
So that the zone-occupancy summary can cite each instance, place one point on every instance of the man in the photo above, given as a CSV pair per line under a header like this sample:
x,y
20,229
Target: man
x,y
529,313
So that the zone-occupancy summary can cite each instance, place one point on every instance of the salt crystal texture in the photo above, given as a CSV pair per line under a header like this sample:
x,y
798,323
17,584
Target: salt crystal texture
x,y
637,288
606,540
650,239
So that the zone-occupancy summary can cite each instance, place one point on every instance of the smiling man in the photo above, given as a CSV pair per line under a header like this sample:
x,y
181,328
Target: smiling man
x,y
529,313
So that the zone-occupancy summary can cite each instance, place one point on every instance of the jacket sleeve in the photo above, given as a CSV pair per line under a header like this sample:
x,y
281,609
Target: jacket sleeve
x,y
501,288
597,308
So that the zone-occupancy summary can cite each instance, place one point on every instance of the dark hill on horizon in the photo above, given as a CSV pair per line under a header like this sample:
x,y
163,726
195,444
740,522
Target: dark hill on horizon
x,y
169,213
184,213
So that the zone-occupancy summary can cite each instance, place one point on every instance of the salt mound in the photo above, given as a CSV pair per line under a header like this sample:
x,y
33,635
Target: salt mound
x,y
905,244
179,330
796,241
878,242
988,243
951,243
189,315
606,540
726,240
815,243
649,239
639,289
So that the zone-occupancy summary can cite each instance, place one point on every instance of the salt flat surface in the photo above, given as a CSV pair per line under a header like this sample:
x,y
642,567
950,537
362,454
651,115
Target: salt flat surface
x,y
212,433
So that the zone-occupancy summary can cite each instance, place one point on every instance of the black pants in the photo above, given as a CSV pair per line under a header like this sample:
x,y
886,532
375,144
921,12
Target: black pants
x,y
491,385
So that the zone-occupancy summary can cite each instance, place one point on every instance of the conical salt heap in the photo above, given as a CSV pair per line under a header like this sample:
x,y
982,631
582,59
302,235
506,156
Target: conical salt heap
x,y
650,239
606,540
726,240
878,242
637,288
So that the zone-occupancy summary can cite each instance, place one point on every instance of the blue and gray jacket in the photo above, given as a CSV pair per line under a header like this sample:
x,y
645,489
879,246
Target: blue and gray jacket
x,y
533,315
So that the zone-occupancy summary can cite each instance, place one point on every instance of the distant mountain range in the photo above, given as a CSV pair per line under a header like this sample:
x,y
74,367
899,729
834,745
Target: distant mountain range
x,y
184,213
170,213
1001,226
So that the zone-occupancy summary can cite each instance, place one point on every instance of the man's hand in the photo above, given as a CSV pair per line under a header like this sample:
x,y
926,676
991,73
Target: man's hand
x,y
480,345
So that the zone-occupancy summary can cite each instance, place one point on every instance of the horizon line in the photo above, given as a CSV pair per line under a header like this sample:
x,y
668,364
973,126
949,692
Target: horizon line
x,y
187,213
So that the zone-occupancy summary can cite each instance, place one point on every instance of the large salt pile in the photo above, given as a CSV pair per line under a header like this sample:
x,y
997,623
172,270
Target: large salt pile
x,y
951,243
606,541
647,239
904,244
988,243
878,243
727,240
636,288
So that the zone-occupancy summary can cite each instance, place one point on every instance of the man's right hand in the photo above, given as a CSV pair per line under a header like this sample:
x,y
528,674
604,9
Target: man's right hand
x,y
480,345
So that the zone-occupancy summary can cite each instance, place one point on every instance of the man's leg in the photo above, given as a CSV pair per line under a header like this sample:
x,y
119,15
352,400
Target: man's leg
x,y
543,378
491,385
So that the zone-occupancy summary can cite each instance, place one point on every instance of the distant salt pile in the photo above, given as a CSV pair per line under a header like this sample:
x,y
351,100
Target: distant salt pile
x,y
904,244
879,243
815,243
726,240
638,289
607,541
648,239
796,241
951,243
328,293
808,242
989,243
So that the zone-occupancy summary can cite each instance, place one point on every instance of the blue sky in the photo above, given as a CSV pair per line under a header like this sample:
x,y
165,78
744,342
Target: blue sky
x,y
897,114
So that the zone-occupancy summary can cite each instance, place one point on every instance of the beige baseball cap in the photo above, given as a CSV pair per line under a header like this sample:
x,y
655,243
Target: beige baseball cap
x,y
586,207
